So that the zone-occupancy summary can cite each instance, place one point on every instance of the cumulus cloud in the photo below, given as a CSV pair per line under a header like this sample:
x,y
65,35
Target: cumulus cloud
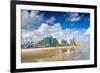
x,y
73,17
35,35
79,36
50,20
33,29
87,32
32,20
55,28
57,32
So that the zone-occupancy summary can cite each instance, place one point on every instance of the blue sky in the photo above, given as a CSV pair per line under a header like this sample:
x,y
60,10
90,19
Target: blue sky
x,y
36,25
70,20
64,19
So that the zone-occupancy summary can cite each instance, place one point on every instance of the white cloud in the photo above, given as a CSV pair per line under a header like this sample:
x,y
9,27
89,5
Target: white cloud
x,y
50,20
57,32
35,35
43,27
31,19
73,17
55,28
87,32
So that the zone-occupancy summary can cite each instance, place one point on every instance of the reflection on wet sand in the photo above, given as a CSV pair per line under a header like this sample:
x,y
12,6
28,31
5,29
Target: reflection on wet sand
x,y
50,54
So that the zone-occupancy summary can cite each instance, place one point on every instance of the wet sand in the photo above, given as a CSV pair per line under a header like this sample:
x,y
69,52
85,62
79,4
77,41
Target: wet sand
x,y
44,54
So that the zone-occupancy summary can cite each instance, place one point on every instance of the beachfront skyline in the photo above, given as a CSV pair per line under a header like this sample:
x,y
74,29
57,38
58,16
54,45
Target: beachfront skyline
x,y
36,25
